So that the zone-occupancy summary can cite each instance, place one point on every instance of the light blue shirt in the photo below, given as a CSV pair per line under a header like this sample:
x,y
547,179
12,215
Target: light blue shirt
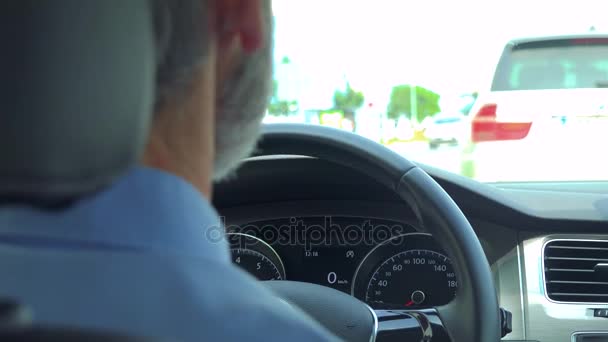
x,y
144,257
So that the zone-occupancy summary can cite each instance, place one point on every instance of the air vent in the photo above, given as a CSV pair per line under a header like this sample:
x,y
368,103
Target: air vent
x,y
572,273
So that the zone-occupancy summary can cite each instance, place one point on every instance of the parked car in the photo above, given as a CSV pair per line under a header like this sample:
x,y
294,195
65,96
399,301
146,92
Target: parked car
x,y
547,104
448,129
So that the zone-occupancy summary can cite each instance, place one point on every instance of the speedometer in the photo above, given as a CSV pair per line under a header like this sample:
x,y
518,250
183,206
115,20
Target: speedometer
x,y
413,278
406,272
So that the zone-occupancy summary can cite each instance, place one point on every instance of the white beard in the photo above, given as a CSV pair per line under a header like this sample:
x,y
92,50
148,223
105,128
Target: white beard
x,y
241,105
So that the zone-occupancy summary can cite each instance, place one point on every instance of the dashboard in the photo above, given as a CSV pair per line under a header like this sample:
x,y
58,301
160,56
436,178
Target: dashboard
x,y
308,220
385,263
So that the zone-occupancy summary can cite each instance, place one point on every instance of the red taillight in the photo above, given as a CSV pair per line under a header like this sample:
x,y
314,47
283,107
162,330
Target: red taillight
x,y
486,128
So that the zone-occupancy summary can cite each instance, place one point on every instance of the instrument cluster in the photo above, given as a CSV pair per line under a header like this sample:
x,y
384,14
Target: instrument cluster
x,y
385,263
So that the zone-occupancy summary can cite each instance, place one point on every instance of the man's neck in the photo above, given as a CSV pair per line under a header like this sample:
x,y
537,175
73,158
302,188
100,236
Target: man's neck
x,y
182,140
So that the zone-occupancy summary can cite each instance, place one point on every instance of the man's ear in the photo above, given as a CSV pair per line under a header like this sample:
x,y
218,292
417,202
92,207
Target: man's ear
x,y
242,20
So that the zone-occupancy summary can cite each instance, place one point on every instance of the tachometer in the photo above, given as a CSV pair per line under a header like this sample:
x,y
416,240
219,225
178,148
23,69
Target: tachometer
x,y
408,271
256,257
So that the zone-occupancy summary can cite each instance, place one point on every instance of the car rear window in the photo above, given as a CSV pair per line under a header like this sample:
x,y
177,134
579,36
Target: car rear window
x,y
554,64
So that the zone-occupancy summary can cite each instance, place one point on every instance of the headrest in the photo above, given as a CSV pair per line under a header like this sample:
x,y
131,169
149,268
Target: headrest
x,y
76,95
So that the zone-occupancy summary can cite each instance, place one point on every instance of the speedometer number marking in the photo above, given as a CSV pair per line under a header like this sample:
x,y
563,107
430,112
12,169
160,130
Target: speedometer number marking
x,y
332,277
392,280
256,257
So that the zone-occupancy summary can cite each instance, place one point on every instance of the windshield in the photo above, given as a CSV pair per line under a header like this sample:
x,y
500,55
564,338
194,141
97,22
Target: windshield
x,y
479,88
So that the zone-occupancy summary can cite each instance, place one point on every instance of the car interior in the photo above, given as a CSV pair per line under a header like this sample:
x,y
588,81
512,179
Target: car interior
x,y
448,258
517,226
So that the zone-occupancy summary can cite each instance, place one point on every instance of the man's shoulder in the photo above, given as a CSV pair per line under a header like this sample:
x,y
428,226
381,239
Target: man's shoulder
x,y
244,309
190,299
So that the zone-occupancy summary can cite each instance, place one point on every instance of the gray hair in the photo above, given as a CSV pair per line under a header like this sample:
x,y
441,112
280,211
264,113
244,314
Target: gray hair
x,y
181,27
181,30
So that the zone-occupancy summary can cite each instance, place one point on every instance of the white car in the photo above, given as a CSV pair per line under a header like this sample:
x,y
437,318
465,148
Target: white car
x,y
548,104
446,129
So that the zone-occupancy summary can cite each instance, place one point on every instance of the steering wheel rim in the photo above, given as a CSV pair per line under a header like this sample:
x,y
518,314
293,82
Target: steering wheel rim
x,y
473,316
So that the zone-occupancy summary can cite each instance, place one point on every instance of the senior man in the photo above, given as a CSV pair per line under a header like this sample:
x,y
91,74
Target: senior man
x,y
157,273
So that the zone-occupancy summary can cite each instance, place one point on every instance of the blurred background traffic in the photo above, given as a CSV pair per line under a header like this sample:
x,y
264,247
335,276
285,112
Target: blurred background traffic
x,y
493,90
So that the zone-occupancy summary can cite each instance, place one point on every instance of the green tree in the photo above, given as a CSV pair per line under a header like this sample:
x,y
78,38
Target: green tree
x,y
400,102
348,101
280,106
283,107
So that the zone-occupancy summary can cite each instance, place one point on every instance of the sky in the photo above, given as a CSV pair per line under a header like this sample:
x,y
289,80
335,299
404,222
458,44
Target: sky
x,y
448,46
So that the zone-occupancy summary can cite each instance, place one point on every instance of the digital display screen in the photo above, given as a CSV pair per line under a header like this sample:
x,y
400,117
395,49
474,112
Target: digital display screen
x,y
323,250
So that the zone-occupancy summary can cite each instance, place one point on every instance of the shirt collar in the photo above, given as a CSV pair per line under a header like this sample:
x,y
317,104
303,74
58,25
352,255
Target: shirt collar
x,y
147,209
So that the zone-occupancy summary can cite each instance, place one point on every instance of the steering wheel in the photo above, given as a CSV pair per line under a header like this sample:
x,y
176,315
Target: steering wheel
x,y
472,316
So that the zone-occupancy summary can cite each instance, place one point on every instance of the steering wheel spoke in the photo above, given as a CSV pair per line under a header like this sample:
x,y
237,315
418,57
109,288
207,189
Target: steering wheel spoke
x,y
411,325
